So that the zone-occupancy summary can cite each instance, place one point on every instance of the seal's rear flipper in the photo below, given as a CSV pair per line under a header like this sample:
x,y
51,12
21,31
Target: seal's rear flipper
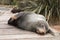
x,y
53,32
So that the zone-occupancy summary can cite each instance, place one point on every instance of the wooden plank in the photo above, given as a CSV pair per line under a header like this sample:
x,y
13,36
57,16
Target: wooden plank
x,y
22,36
40,38
8,32
18,34
14,32
4,19
34,39
4,25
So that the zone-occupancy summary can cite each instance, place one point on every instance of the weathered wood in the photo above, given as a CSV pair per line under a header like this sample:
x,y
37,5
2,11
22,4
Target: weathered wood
x,y
13,32
22,36
8,32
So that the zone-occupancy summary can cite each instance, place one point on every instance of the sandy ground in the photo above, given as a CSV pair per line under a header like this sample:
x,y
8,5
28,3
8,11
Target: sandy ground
x,y
56,27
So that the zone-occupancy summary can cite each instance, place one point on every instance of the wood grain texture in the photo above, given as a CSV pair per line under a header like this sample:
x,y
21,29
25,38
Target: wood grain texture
x,y
8,32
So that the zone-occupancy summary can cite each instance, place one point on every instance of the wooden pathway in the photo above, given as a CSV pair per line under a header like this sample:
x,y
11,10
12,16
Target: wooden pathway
x,y
8,32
